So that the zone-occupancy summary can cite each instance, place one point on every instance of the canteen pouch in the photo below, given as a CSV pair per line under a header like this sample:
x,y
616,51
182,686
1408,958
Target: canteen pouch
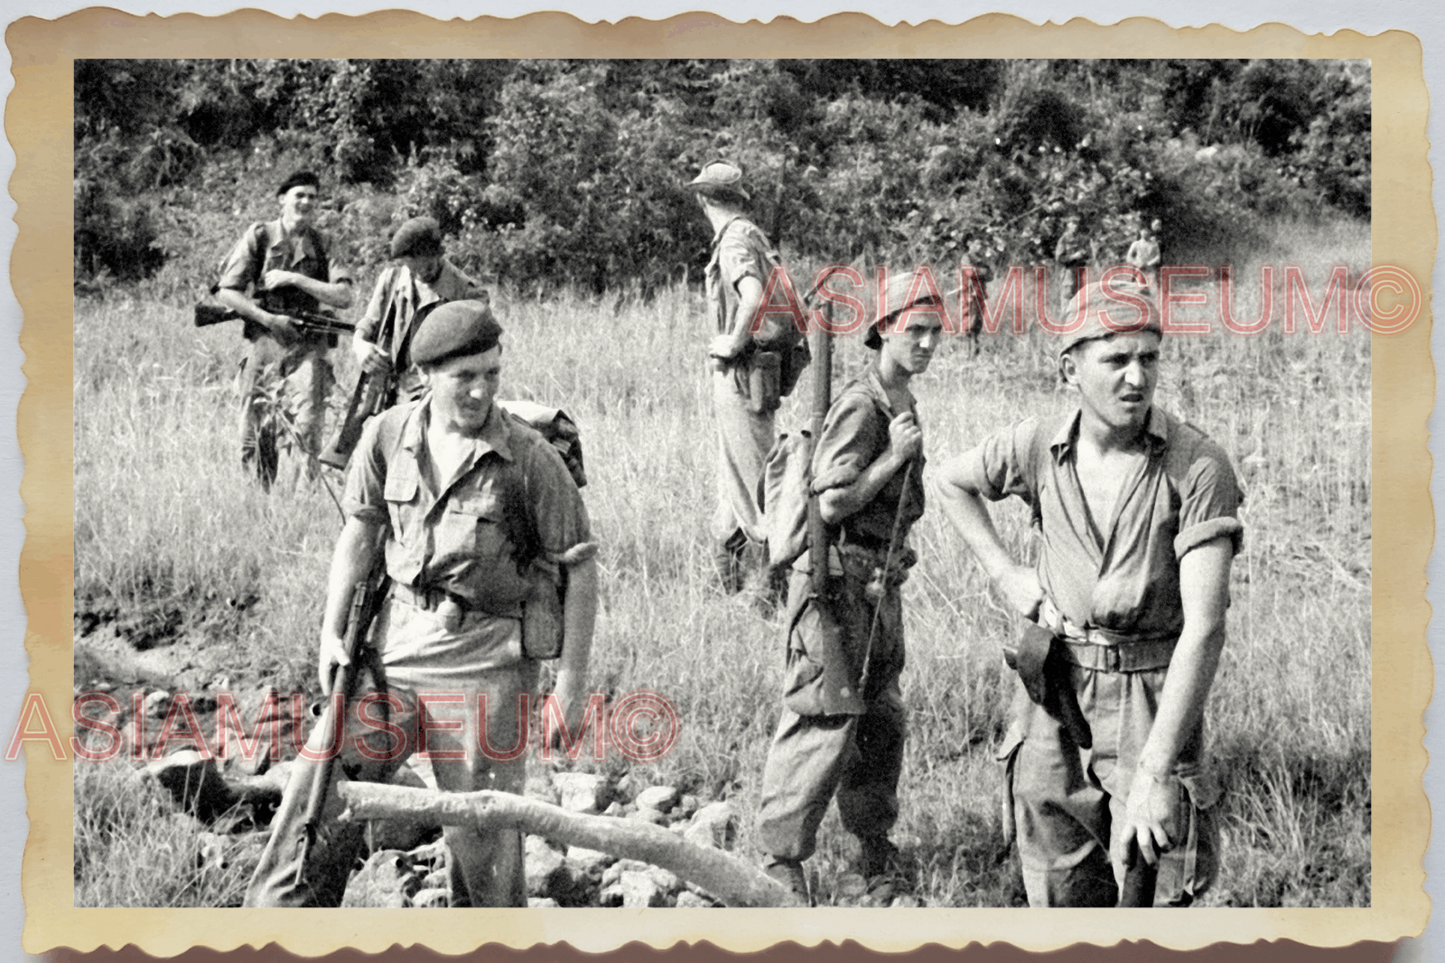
x,y
542,617
764,382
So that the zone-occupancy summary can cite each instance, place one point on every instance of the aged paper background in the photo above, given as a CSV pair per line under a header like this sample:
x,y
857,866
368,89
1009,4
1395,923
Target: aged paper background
x,y
1404,231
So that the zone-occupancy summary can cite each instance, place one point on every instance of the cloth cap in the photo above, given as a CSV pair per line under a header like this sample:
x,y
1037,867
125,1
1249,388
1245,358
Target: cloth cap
x,y
453,330
299,179
1131,310
418,237
719,177
897,297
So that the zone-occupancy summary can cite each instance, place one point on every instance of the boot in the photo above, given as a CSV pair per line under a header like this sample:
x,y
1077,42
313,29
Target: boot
x,y
790,873
879,858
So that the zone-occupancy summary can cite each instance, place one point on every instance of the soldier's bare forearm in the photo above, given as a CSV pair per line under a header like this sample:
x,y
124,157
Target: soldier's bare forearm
x,y
579,617
1204,584
337,294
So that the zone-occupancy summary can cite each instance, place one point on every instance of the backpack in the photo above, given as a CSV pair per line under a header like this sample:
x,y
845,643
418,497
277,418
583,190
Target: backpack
x,y
783,495
560,431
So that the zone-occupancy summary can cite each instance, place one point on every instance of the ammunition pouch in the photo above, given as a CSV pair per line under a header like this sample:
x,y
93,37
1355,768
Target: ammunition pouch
x,y
1046,672
542,620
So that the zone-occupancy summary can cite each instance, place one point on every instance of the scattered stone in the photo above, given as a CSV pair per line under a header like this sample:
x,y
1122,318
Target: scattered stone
x,y
906,902
541,903
660,798
628,787
157,702
687,899
436,897
581,792
648,816
714,825
686,806
544,868
639,891
615,871
385,882
540,787
666,879
589,861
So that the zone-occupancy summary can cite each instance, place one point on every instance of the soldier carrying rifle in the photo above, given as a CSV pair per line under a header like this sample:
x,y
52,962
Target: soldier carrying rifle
x,y
1136,518
481,529
276,272
404,293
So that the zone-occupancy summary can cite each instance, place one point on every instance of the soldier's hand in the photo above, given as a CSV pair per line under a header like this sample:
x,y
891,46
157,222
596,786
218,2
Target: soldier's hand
x,y
1020,585
905,438
723,346
284,330
1148,816
369,355
276,278
331,655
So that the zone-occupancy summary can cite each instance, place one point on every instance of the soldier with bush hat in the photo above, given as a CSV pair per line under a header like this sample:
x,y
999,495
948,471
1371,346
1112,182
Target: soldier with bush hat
x,y
736,272
404,291
1137,519
471,509
842,727
279,267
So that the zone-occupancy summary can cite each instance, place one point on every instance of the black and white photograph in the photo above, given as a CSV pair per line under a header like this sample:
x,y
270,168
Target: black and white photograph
x,y
815,483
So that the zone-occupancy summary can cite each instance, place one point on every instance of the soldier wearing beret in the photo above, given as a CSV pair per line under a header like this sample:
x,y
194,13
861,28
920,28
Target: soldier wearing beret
x,y
841,733
737,270
470,508
275,268
1136,516
404,291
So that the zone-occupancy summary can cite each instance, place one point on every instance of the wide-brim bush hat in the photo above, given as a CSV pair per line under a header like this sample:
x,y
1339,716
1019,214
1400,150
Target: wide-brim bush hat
x,y
719,177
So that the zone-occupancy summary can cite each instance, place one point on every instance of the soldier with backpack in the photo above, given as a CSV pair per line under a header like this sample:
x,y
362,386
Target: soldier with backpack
x,y
842,726
478,518
753,365
276,269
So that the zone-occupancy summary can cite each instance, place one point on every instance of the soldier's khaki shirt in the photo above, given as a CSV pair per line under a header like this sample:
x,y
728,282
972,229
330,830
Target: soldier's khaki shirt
x,y
1122,575
513,501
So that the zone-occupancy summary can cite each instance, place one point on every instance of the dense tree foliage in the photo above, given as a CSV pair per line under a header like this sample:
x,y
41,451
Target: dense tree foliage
x,y
572,172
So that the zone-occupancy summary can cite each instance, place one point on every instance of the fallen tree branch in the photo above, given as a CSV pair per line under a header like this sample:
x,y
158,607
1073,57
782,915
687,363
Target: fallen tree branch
x,y
729,879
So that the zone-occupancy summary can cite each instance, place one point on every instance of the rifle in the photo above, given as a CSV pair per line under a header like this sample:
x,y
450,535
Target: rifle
x,y
309,322
366,599
373,394
822,401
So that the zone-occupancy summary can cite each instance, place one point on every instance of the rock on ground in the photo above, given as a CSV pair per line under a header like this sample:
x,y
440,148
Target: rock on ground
x,y
659,798
714,825
387,881
580,792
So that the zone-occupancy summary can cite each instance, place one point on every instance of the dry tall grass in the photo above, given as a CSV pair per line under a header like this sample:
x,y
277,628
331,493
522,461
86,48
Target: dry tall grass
x,y
165,519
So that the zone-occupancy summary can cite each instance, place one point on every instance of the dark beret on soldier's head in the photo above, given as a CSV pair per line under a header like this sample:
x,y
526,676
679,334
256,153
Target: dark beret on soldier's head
x,y
454,330
418,237
299,179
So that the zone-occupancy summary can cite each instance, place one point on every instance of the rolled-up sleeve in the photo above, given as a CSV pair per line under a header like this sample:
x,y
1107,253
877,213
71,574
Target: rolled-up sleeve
x,y
241,267
1002,464
1210,503
739,257
558,513
848,443
366,328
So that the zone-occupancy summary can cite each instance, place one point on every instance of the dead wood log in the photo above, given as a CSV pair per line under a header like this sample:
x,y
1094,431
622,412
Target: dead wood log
x,y
726,877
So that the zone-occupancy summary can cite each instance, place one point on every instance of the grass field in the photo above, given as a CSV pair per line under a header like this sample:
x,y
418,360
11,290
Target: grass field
x,y
168,531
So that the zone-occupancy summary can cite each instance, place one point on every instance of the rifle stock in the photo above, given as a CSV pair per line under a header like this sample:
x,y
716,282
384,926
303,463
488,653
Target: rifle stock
x,y
822,400
368,398
365,602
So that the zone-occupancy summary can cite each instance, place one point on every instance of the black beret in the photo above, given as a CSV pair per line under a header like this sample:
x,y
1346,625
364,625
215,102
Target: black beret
x,y
453,330
418,237
299,179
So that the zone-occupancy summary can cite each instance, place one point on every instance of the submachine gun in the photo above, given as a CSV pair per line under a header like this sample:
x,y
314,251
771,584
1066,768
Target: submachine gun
x,y
308,322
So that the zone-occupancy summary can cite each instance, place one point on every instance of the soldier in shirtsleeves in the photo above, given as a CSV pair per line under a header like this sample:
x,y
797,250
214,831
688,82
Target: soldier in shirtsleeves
x,y
1135,514
737,272
423,278
276,267
471,508
840,734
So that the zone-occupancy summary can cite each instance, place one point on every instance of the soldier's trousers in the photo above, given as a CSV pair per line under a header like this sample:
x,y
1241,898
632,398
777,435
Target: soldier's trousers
x,y
744,439
485,868
1063,802
830,741
283,401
